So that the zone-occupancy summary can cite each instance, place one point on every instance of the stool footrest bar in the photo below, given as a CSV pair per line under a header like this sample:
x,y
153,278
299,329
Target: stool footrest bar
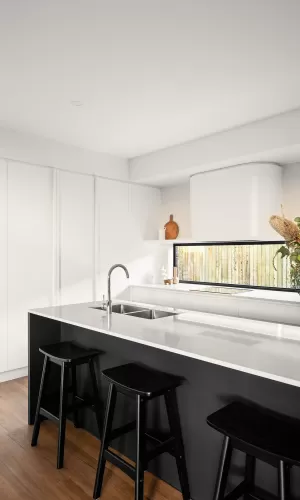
x,y
163,447
240,490
119,462
122,430
47,414
157,441
260,494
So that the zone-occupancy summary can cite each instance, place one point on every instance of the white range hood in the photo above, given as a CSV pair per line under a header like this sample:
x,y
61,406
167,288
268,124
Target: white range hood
x,y
236,203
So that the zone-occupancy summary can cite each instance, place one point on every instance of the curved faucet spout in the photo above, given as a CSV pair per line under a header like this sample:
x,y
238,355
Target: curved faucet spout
x,y
118,265
109,304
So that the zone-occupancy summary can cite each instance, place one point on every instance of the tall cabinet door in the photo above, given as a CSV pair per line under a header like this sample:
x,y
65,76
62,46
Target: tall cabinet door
x,y
30,251
76,237
113,233
144,207
145,259
3,266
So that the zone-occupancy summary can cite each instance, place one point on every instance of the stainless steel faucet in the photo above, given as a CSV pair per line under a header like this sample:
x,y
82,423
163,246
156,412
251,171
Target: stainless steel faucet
x,y
109,304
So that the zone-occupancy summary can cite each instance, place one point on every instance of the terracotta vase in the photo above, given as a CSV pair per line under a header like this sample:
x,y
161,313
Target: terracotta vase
x,y
171,229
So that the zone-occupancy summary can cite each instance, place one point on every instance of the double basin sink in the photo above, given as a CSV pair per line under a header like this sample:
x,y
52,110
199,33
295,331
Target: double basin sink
x,y
138,312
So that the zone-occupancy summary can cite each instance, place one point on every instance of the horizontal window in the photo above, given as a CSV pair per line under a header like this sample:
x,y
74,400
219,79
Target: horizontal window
x,y
242,264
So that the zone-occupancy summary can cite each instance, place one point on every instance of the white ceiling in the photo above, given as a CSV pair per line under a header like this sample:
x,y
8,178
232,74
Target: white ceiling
x,y
150,74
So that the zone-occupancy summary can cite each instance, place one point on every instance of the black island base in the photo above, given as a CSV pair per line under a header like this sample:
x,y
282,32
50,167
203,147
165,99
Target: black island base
x,y
206,388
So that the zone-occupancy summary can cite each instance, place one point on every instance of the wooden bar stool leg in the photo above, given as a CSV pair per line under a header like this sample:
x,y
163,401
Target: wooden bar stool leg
x,y
37,420
110,408
62,416
223,470
283,480
174,422
96,395
250,473
140,447
74,394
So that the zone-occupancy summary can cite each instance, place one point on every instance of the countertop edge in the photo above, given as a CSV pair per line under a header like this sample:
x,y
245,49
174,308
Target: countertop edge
x,y
206,359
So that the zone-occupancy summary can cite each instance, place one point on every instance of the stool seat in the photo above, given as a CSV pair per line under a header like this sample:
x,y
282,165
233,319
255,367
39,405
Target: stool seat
x,y
271,433
68,352
140,380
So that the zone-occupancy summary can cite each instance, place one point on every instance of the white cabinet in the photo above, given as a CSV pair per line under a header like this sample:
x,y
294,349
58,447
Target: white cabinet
x,y
144,209
235,203
145,259
60,232
113,233
75,237
3,266
127,215
30,252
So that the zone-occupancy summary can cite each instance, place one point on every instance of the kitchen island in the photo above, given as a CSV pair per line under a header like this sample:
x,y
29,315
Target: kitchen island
x,y
220,358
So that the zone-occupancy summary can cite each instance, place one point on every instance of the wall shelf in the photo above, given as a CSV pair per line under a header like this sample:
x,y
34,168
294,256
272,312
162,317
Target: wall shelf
x,y
170,242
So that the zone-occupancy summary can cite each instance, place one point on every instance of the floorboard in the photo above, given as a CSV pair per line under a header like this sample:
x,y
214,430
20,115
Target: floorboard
x,y
30,473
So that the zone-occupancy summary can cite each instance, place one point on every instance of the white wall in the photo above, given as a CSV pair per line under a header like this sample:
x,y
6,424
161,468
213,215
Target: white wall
x,y
3,266
176,201
291,190
37,150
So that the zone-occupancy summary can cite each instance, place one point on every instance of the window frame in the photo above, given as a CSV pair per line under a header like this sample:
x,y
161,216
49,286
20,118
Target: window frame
x,y
231,243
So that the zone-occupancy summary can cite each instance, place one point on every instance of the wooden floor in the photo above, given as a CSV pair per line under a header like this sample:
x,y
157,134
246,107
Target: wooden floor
x,y
30,473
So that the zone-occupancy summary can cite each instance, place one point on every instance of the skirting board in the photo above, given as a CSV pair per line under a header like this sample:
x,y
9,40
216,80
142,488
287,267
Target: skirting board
x,y
13,374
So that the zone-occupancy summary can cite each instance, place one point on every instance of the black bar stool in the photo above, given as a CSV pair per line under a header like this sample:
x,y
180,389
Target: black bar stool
x,y
260,434
143,384
68,355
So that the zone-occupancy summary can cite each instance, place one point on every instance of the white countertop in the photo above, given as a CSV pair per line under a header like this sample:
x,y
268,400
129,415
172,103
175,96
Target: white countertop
x,y
268,350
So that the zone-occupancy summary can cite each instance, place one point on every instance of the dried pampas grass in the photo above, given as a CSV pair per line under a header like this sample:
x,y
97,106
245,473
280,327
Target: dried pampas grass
x,y
286,228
